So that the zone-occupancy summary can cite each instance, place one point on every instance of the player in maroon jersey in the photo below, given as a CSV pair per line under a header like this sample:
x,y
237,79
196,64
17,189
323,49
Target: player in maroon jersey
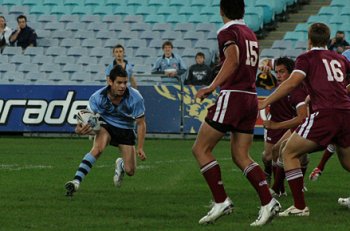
x,y
235,111
286,114
323,73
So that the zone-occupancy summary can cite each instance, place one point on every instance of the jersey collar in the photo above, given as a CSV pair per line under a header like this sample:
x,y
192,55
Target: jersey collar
x,y
319,48
230,23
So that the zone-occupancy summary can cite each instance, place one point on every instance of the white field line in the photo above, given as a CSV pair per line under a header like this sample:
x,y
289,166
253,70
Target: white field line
x,y
17,167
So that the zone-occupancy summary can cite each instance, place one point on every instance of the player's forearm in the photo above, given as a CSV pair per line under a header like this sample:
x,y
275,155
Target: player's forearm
x,y
141,134
228,67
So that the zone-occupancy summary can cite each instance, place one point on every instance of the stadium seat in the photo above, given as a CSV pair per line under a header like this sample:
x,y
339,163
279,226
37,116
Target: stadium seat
x,y
99,52
149,35
175,19
292,53
302,27
184,27
140,27
57,76
81,10
301,45
109,43
135,3
10,3
327,10
7,67
41,59
152,19
68,42
133,19
81,77
208,10
72,67
282,44
33,51
189,53
61,34
105,34
94,3
198,18
188,11
90,18
52,2
119,26
212,35
199,3
136,43
157,3
74,26
55,51
102,10
19,59
171,35
10,51
69,18
30,2
167,10
178,3
339,3
61,10
295,36
13,76
28,67
161,27
84,34
339,19
64,59
156,43
111,19
318,18
181,45
77,51
35,76
17,10
270,53
142,69
90,43
39,9
44,18
4,10
97,26
73,3
124,10
145,52
43,42
269,13
4,59
86,60
205,27
51,26
98,70
146,10
345,11
193,36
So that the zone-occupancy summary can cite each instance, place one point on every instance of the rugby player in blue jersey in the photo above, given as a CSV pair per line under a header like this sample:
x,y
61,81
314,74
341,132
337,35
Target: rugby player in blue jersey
x,y
120,108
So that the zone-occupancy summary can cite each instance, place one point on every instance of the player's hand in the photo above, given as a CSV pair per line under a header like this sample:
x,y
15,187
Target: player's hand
x,y
262,104
267,124
141,154
81,129
203,93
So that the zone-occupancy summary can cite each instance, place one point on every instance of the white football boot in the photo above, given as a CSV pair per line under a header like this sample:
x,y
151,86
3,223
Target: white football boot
x,y
71,187
119,172
292,211
218,210
315,174
344,202
267,213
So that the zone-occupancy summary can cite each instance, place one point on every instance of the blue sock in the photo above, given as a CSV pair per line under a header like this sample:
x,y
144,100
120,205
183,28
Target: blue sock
x,y
84,167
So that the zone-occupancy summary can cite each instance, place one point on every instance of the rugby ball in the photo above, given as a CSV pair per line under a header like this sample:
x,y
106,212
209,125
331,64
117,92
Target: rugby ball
x,y
87,117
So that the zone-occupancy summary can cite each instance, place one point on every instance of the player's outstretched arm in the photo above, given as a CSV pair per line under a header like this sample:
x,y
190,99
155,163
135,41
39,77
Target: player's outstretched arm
x,y
141,134
287,86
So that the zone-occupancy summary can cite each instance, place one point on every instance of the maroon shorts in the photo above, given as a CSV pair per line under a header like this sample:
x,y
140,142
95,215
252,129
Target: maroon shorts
x,y
327,126
274,135
234,111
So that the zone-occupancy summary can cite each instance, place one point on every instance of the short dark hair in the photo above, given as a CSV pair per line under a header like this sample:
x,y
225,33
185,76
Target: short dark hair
x,y
287,62
117,71
200,54
319,34
167,43
232,9
21,16
118,46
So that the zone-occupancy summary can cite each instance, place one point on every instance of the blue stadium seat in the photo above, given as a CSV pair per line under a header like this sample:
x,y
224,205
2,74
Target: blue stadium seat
x,y
318,18
181,45
35,76
77,51
90,43
136,43
161,27
99,52
61,34
146,10
86,60
75,26
40,9
249,3
295,36
140,27
327,10
57,76
10,3
7,67
133,19
157,3
145,52
28,67
4,59
44,42
292,53
269,13
345,11
52,2
171,35
81,10
135,3
41,33
184,27
69,18
167,10
150,35
189,53
209,11
124,10
41,59
94,3
44,18
212,36
193,36
4,10
55,51
64,59
302,27
199,3
109,43
19,59
81,77
253,22
205,27
102,10
339,3
51,26
339,19
98,70
10,51
18,10
142,69
111,19
13,76
71,68
175,19
30,2
88,18
301,45
119,26
282,44
84,34
97,26
104,35
188,10
178,3
33,51
73,3
270,53
156,43
61,10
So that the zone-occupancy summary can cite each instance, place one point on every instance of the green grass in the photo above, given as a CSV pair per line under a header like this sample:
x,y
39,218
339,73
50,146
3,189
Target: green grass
x,y
167,192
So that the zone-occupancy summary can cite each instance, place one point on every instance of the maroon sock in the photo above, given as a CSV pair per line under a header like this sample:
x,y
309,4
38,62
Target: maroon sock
x,y
296,183
257,178
278,184
326,155
212,174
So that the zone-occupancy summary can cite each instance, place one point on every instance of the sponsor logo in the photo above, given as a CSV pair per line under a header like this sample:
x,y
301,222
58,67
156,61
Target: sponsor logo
x,y
39,111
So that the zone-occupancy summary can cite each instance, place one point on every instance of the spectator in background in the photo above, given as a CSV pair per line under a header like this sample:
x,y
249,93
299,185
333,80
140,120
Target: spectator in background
x,y
199,73
5,33
24,36
338,43
118,54
169,63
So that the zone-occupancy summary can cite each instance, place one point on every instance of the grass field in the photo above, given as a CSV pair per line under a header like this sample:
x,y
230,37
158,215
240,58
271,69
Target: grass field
x,y
167,192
